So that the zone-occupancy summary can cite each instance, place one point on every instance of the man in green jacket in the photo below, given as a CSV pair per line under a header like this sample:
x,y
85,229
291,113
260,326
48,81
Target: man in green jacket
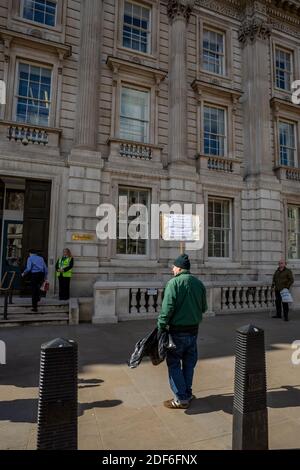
x,y
282,279
182,308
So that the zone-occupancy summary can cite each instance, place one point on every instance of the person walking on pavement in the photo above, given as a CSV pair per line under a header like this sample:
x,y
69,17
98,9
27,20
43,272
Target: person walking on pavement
x,y
64,271
37,267
181,312
282,279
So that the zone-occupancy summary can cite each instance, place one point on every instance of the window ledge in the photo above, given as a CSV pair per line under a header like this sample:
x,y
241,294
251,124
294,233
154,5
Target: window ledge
x,y
26,23
215,78
137,54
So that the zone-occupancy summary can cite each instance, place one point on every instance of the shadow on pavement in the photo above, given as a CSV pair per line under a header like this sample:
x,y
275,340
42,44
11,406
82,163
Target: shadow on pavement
x,y
89,383
25,411
288,398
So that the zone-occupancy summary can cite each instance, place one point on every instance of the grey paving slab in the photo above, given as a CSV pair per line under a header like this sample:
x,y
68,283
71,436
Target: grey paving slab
x,y
121,408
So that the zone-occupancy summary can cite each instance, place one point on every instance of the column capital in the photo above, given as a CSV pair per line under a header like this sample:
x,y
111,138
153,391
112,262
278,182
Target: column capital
x,y
256,23
253,29
180,8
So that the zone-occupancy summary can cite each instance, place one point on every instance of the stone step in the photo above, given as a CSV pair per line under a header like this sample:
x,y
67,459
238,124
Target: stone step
x,y
13,309
35,319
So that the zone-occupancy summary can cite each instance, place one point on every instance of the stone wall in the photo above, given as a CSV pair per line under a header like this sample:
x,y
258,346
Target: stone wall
x,y
91,65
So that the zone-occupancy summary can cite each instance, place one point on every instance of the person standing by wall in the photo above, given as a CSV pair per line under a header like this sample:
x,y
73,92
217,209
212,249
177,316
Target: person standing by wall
x,y
283,279
64,272
37,267
182,308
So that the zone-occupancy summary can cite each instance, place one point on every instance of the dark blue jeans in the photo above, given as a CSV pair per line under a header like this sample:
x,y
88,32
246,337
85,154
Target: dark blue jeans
x,y
181,363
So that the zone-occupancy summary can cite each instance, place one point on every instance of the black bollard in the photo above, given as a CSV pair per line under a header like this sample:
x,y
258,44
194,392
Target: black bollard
x,y
57,410
250,414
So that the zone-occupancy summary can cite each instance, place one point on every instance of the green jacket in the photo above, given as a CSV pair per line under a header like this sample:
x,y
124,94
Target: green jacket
x,y
283,279
184,302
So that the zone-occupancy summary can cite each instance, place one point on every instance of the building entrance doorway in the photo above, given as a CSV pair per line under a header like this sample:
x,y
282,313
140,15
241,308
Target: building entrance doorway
x,y
24,224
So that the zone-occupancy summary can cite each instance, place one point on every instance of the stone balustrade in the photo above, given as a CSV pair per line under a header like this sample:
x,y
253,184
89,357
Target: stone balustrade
x,y
220,164
27,134
117,301
293,174
253,297
126,149
287,173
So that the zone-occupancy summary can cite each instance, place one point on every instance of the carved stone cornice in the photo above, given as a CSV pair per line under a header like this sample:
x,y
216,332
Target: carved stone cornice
x,y
116,65
253,29
291,6
230,8
10,37
180,8
279,104
279,26
202,88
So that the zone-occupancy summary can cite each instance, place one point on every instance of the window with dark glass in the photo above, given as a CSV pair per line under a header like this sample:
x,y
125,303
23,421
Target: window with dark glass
x,y
33,94
283,69
128,245
134,115
287,144
136,27
219,228
41,11
214,52
214,131
14,200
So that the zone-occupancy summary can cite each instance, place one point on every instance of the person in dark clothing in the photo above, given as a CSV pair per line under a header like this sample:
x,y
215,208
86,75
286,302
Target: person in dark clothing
x,y
182,308
282,279
37,267
64,271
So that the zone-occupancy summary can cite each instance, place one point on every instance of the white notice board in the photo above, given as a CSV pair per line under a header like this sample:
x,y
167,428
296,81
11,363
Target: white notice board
x,y
180,227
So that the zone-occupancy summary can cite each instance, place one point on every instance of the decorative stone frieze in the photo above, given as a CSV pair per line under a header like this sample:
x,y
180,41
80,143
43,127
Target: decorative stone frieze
x,y
229,8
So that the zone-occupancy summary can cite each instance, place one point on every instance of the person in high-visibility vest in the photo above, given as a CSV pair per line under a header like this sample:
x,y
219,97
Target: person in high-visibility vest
x,y
64,271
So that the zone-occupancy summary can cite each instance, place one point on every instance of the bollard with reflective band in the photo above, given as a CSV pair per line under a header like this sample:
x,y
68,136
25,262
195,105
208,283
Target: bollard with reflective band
x,y
250,414
57,410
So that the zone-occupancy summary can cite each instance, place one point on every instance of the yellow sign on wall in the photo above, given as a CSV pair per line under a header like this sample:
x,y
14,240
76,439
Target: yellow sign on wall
x,y
83,237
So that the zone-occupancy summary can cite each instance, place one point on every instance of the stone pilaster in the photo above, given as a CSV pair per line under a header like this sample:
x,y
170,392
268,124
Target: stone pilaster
x,y
89,61
179,13
262,243
253,35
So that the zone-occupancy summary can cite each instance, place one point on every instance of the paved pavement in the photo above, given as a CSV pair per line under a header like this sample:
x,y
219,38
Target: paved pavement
x,y
121,408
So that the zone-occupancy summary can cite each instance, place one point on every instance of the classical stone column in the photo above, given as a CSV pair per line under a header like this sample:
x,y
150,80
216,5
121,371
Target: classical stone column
x,y
261,200
254,34
179,13
89,61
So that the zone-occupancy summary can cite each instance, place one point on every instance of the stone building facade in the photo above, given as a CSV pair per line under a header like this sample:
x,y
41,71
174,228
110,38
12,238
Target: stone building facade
x,y
163,102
